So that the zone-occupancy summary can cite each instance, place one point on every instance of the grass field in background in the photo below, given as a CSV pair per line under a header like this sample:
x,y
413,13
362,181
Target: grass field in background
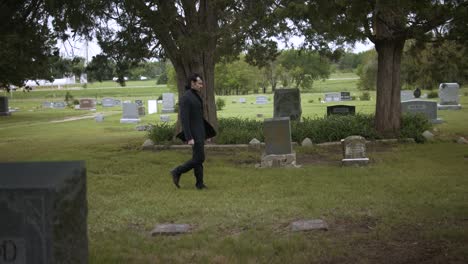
x,y
410,205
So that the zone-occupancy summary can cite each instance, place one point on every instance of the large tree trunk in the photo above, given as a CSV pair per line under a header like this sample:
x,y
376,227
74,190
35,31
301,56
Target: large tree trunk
x,y
388,107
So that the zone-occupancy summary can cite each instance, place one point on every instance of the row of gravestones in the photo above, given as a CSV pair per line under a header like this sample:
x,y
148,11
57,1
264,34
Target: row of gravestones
x,y
337,96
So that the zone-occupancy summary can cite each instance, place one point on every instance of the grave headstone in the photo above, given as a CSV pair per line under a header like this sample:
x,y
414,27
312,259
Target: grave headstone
x,y
59,105
165,118
345,96
278,148
43,211
242,100
139,102
99,118
108,102
117,102
427,108
152,106
47,105
277,132
448,95
406,95
4,110
261,99
170,229
354,151
130,113
168,103
87,104
287,103
141,110
332,97
341,110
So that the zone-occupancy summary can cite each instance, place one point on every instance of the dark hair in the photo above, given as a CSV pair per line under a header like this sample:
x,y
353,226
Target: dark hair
x,y
192,78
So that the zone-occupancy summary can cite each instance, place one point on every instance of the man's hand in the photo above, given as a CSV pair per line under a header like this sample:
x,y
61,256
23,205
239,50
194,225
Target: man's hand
x,y
191,142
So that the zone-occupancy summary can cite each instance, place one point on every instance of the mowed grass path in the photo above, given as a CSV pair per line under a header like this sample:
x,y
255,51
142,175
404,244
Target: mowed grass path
x,y
410,205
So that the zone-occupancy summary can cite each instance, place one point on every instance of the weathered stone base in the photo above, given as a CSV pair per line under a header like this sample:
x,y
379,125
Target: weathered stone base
x,y
449,107
358,162
283,160
130,120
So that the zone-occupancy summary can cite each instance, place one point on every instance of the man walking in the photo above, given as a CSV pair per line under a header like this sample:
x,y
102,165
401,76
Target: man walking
x,y
195,129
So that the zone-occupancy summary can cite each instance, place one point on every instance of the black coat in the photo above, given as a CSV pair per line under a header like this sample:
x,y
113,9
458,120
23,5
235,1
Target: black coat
x,y
194,126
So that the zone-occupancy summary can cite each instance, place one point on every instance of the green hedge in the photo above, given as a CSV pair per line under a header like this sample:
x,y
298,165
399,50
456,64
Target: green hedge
x,y
331,128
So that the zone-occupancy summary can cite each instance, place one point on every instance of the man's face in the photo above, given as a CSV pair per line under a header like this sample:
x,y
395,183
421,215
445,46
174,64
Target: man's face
x,y
197,85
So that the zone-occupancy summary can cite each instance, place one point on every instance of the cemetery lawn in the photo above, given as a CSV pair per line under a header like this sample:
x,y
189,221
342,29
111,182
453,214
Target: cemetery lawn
x,y
410,205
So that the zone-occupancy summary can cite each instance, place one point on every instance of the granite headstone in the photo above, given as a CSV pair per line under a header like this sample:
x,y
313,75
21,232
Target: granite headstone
x,y
43,212
354,151
277,132
108,102
4,110
341,110
427,108
287,103
168,105
130,113
448,95
332,97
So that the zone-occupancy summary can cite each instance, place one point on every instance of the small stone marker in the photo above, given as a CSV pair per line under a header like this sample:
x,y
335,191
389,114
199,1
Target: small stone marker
x,y
259,115
4,110
47,105
428,135
307,225
117,102
139,102
462,140
242,100
354,151
448,95
148,144
307,142
287,103
170,229
141,110
99,118
341,110
165,118
254,141
43,212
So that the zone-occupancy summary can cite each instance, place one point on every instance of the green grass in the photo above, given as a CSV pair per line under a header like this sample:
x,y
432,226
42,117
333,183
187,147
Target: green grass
x,y
410,205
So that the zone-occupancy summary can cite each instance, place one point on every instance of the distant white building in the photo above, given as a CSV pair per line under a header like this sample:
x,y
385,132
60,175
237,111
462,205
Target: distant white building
x,y
56,82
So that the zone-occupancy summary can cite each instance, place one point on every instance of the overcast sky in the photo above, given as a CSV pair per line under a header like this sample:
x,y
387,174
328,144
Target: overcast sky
x,y
78,48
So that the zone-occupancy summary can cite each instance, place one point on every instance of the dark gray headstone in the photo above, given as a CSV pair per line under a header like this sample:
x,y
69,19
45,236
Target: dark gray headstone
x,y
141,110
427,108
277,132
345,96
341,110
4,111
117,102
43,212
287,103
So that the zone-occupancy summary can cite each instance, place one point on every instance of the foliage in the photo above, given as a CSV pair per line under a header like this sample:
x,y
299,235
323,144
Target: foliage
x,y
303,67
412,126
427,65
433,94
367,71
69,98
220,103
100,68
161,133
365,96
236,77
319,130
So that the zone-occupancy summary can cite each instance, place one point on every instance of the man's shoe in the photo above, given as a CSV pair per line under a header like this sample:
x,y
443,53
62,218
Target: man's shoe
x,y
175,178
201,186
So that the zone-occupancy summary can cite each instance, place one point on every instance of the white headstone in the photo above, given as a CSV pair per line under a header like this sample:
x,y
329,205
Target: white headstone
x,y
332,97
261,99
152,106
406,95
448,95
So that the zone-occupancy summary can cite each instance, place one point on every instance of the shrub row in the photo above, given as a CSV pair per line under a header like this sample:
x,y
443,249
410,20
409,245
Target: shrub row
x,y
331,128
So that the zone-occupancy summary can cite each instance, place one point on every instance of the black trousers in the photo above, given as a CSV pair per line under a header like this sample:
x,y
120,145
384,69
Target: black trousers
x,y
196,163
